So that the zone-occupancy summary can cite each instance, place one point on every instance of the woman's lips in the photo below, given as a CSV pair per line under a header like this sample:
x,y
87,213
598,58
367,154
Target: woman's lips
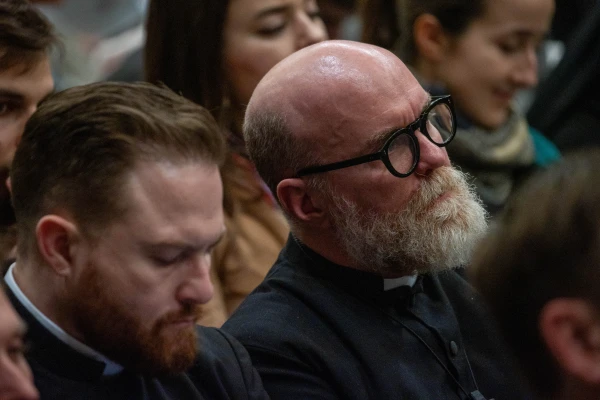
x,y
504,96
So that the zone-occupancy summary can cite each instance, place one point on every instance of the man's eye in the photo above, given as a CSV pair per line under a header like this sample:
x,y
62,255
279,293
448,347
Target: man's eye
x,y
165,262
4,108
168,259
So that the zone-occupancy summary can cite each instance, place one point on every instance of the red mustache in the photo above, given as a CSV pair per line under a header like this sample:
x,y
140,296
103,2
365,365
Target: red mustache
x,y
187,312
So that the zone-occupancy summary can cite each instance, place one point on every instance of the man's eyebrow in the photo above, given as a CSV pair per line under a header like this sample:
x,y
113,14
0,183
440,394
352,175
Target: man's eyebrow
x,y
376,142
11,95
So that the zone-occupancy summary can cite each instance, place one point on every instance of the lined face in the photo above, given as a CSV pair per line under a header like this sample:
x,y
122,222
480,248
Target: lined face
x,y
260,33
485,66
138,291
16,380
426,221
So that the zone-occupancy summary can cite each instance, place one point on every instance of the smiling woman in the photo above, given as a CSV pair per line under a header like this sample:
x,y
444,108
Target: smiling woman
x,y
482,52
215,52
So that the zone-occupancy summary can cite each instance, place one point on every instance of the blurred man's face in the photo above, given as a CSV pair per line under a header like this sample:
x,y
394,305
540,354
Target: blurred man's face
x,y
137,291
21,90
16,381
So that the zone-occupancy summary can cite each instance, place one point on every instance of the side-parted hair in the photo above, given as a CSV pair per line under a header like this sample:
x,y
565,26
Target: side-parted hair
x,y
25,34
390,23
545,245
184,45
80,144
454,16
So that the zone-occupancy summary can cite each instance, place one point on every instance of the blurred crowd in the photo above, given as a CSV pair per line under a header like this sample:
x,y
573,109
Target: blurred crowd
x,y
299,199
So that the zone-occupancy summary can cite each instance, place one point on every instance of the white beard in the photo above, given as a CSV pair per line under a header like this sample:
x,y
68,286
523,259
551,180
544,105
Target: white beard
x,y
424,237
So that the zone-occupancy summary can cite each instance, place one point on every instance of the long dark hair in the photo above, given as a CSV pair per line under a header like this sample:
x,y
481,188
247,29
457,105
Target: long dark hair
x,y
389,23
184,49
454,15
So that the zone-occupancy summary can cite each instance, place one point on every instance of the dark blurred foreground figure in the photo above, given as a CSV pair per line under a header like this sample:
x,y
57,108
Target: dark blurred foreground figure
x,y
539,270
26,38
118,199
363,302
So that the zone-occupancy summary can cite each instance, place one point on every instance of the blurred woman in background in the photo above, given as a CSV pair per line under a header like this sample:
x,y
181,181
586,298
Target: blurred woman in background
x,y
215,52
482,52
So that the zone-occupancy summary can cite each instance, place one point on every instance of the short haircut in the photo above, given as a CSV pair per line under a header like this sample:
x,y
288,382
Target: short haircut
x,y
276,152
80,143
546,244
25,34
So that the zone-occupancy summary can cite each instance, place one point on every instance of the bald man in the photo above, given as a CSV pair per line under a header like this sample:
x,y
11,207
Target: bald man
x,y
364,301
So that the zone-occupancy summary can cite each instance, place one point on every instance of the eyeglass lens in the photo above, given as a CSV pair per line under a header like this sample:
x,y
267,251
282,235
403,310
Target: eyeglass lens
x,y
440,124
401,152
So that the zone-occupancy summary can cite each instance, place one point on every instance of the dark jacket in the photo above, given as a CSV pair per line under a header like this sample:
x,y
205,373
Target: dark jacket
x,y
223,370
316,330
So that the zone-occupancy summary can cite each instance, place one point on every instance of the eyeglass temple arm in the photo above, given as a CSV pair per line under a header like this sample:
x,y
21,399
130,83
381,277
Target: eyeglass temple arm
x,y
341,164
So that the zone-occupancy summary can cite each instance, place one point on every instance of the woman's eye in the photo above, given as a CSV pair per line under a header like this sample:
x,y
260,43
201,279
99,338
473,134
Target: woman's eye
x,y
271,30
508,48
512,46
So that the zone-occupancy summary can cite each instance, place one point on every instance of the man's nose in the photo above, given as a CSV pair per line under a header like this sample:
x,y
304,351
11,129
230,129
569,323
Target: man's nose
x,y
197,287
431,156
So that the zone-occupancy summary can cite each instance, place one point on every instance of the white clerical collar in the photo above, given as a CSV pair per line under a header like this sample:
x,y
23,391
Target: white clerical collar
x,y
409,280
110,368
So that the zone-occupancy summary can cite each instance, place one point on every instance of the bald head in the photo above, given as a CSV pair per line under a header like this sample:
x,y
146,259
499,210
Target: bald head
x,y
313,96
324,77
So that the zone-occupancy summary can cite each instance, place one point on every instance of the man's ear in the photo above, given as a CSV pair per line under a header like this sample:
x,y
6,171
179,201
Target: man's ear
x,y
56,238
571,329
430,39
297,202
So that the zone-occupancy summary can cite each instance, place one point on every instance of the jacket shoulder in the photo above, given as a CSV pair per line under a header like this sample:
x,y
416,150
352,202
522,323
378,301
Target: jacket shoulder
x,y
223,368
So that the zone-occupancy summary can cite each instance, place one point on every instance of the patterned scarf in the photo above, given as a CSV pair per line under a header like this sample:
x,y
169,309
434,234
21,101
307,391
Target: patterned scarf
x,y
495,159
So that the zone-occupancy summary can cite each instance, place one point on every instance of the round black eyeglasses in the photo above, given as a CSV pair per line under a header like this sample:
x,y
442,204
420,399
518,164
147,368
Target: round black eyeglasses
x,y
401,150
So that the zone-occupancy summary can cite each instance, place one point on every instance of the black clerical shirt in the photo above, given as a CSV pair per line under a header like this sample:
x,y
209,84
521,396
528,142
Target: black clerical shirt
x,y
223,370
317,330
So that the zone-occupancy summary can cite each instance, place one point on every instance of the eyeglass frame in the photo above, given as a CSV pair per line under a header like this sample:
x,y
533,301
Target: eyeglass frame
x,y
382,154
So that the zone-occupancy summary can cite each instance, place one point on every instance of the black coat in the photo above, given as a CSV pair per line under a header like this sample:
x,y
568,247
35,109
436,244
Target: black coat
x,y
316,330
223,370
